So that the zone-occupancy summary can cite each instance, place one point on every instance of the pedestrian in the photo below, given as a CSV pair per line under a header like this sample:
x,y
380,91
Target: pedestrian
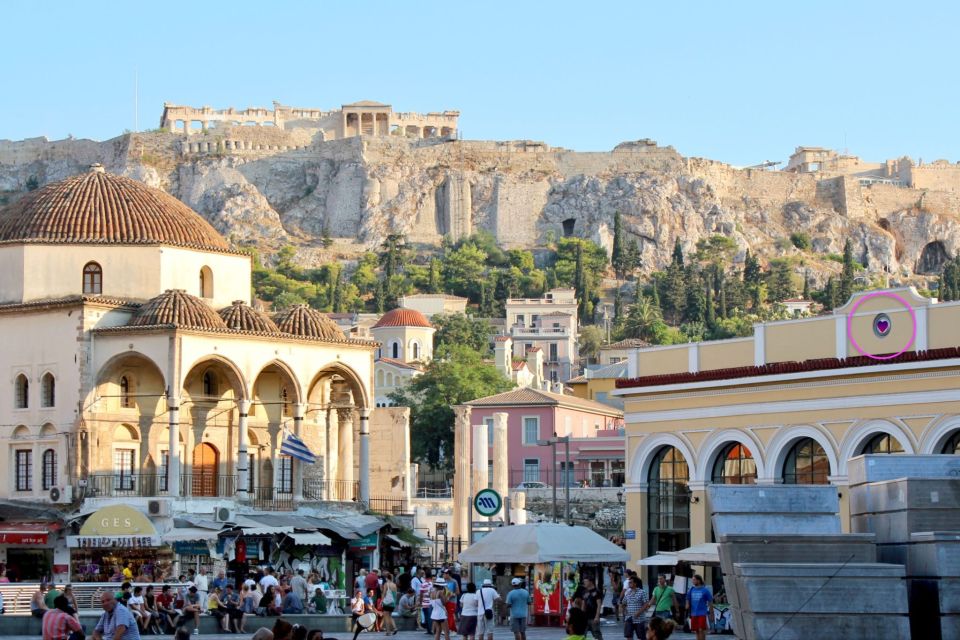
x,y
59,623
487,597
116,622
203,586
38,605
426,588
389,603
438,612
700,605
217,608
299,584
169,615
632,602
192,609
518,600
268,580
660,628
663,599
469,612
358,608
220,581
372,581
592,605
576,625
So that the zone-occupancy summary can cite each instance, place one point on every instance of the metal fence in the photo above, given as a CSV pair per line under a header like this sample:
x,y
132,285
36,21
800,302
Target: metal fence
x,y
317,490
271,499
389,505
153,485
577,477
433,483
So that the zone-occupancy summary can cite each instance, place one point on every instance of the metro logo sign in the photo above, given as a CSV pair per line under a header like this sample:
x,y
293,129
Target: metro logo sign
x,y
487,503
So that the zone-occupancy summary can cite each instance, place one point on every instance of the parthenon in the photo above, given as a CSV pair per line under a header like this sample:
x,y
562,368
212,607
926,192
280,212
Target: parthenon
x,y
359,118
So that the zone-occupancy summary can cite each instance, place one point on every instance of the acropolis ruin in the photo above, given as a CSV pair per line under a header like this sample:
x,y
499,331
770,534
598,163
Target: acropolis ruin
x,y
359,118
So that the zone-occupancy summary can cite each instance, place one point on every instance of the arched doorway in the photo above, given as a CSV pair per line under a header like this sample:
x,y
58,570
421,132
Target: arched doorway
x,y
734,465
806,463
206,461
668,502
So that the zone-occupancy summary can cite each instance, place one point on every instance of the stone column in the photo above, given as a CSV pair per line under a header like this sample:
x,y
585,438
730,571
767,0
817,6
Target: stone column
x,y
243,459
173,462
461,476
481,458
345,449
364,471
299,409
501,460
332,471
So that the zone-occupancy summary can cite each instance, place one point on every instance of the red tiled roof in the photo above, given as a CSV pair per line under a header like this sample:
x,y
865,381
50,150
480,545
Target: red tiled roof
x,y
627,343
519,364
102,208
501,339
401,364
534,397
775,368
301,320
243,317
175,307
402,318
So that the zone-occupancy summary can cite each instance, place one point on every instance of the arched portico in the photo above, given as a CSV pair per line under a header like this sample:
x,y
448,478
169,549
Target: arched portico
x,y
937,433
714,446
861,432
785,438
645,452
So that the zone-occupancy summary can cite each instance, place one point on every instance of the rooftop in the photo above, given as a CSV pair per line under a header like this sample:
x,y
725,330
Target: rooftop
x,y
403,318
534,397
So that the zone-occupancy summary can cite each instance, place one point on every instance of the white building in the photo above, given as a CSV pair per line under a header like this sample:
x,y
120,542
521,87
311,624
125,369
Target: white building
x,y
549,323
406,344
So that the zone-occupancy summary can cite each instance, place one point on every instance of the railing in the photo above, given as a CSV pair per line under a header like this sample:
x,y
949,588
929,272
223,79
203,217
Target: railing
x,y
434,484
388,505
576,477
519,329
271,499
153,485
316,490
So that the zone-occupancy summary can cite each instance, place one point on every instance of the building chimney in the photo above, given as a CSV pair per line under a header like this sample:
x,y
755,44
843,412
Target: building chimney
x,y
535,364
503,355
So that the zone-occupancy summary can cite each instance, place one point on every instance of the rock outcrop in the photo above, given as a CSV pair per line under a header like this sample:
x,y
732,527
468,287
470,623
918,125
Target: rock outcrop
x,y
358,190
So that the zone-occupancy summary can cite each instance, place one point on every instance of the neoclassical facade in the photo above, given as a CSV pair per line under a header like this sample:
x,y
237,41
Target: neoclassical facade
x,y
790,404
137,368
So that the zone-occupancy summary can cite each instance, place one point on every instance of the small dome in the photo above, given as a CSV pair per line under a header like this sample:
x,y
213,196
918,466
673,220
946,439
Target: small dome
x,y
301,320
177,308
103,208
403,318
243,317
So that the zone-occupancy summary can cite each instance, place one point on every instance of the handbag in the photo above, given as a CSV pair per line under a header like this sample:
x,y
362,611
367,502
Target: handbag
x,y
487,613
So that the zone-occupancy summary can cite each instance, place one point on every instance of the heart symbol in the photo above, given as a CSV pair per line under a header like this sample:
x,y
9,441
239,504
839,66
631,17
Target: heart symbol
x,y
883,325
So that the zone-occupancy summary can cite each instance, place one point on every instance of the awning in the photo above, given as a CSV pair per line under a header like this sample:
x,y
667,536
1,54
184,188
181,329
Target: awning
x,y
664,559
253,526
701,554
189,534
543,542
310,538
27,532
397,541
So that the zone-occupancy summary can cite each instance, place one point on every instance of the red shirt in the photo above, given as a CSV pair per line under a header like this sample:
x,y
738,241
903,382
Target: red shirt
x,y
164,601
57,625
371,581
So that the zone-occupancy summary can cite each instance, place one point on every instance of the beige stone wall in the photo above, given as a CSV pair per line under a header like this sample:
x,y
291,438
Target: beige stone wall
x,y
801,340
943,323
390,452
732,353
663,360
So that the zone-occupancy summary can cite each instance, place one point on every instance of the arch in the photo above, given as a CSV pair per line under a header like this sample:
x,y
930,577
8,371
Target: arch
x,y
21,432
48,390
218,365
143,377
205,470
206,282
126,433
415,350
951,445
92,279
801,463
21,392
48,431
276,389
937,433
715,443
389,379
645,452
361,391
932,258
286,370
395,349
862,431
785,438
380,377
48,468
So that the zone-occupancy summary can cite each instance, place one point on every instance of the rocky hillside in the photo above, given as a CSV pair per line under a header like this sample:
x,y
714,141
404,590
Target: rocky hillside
x,y
263,187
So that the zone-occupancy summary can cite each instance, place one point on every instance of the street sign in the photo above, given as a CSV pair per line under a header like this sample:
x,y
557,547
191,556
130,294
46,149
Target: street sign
x,y
630,534
487,502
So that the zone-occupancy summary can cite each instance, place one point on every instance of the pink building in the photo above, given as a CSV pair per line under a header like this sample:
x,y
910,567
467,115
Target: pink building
x,y
595,430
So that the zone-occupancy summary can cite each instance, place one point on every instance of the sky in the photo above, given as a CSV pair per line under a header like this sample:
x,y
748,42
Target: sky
x,y
737,81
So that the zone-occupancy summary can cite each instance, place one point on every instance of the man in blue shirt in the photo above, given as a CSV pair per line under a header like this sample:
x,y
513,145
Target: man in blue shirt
x,y
517,600
117,622
700,605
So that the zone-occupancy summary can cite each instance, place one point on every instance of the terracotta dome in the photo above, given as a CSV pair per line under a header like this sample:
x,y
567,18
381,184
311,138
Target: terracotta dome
x,y
102,208
243,317
402,318
175,307
301,320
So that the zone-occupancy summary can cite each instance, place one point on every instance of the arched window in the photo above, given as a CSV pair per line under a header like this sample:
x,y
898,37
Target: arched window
x,y
668,502
806,463
126,402
92,279
21,392
882,443
48,389
49,469
734,465
416,350
380,378
952,445
206,282
209,384
395,350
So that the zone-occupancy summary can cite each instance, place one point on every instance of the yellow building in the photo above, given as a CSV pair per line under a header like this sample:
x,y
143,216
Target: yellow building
x,y
790,404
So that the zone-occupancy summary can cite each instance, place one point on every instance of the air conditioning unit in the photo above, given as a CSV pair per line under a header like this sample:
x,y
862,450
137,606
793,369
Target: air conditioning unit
x,y
158,508
61,495
223,514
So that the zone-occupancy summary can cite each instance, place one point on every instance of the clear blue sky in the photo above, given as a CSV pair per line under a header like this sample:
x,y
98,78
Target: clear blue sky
x,y
741,82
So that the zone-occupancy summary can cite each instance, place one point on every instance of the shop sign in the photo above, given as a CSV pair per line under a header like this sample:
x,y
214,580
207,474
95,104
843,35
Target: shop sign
x,y
113,542
118,521
192,548
366,542
630,534
487,503
23,538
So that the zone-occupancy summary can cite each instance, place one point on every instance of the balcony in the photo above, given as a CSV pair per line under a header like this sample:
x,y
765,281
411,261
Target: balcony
x,y
154,485
544,333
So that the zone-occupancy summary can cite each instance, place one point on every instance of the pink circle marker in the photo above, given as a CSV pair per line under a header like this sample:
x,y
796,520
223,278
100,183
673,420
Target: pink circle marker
x,y
881,294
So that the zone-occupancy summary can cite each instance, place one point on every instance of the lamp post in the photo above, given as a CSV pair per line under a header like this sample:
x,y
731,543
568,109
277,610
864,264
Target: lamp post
x,y
552,443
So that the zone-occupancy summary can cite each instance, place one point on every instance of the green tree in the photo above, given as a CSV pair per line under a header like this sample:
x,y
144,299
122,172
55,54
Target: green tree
x,y
521,259
326,241
643,320
847,275
780,281
591,339
457,329
806,285
463,270
380,297
434,281
801,240
365,275
619,255
336,297
716,249
677,258
392,254
456,375
695,307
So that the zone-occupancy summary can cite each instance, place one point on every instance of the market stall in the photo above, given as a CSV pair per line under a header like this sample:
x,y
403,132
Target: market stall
x,y
113,537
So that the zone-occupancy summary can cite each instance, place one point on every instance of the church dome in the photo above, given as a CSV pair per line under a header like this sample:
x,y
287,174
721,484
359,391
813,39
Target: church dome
x,y
243,317
97,207
403,318
301,320
174,307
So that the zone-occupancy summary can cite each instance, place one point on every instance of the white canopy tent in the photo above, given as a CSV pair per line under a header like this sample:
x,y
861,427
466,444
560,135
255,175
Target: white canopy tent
x,y
662,559
700,554
543,542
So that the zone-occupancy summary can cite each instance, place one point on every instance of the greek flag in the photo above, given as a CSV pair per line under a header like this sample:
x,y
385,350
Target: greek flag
x,y
295,448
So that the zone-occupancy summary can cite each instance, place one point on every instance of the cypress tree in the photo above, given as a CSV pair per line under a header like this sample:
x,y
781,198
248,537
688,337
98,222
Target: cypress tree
x,y
677,253
806,285
336,301
846,278
380,297
711,318
619,256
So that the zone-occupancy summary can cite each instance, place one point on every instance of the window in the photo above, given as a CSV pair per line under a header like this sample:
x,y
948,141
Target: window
x,y
521,320
395,350
734,465
806,463
553,352
123,469
531,430
209,384
615,360
21,392
92,279
125,400
617,473
882,443
47,390
416,350
668,502
952,445
285,475
489,423
531,470
206,283
24,469
49,469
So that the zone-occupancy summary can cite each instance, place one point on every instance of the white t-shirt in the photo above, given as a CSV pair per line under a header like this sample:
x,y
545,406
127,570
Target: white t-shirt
x,y
437,610
470,603
201,582
250,582
135,604
268,581
489,596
